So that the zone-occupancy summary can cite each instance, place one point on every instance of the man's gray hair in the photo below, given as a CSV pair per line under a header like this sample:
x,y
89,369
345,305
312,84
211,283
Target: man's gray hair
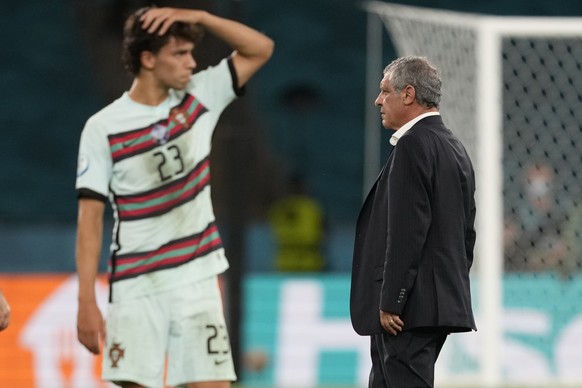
x,y
419,73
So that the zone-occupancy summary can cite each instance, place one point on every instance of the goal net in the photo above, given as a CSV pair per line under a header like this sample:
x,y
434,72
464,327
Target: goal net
x,y
513,94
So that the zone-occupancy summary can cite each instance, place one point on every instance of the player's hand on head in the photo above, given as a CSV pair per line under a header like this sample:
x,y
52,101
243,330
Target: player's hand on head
x,y
160,19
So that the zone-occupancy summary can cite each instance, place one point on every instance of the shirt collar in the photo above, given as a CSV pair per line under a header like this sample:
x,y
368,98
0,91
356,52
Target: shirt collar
x,y
403,129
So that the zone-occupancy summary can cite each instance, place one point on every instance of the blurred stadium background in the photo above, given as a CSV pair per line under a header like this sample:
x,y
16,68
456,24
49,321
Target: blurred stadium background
x,y
289,167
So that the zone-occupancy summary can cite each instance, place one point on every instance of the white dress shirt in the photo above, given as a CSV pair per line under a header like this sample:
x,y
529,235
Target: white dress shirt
x,y
398,134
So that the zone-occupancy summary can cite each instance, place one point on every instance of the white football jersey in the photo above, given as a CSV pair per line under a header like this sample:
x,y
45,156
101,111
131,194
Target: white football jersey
x,y
153,164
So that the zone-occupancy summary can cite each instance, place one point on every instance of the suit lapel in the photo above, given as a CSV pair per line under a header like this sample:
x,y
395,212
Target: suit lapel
x,y
385,164
372,191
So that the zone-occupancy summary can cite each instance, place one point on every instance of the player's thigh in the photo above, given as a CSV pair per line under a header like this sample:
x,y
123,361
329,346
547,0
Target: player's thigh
x,y
199,347
136,340
126,384
210,384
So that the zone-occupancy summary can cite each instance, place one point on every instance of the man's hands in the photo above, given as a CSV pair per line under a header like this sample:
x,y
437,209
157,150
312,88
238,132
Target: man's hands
x,y
160,19
90,326
4,312
391,322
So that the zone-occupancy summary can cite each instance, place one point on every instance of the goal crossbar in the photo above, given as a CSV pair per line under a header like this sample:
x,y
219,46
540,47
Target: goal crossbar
x,y
505,25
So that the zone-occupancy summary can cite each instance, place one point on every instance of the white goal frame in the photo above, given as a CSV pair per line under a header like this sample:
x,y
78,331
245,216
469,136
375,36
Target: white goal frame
x,y
489,32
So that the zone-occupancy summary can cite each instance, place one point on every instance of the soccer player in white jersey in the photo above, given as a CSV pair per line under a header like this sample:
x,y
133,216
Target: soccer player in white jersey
x,y
148,152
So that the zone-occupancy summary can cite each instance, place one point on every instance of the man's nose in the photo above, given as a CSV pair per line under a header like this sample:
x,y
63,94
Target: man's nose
x,y
192,63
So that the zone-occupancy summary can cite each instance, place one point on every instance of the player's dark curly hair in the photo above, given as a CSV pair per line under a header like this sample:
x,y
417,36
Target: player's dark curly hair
x,y
136,39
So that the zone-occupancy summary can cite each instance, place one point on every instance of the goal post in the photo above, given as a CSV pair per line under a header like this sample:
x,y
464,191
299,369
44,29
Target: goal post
x,y
491,68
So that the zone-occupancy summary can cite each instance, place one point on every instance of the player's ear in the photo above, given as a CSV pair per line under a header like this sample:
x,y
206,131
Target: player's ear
x,y
148,60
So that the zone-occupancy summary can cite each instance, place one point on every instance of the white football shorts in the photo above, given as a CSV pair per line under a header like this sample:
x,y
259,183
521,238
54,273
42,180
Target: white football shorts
x,y
186,324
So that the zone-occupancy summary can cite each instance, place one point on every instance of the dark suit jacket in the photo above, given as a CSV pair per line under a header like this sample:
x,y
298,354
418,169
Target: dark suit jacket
x,y
415,235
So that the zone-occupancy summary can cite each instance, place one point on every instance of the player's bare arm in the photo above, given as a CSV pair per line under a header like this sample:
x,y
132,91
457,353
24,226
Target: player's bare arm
x,y
90,324
4,312
252,49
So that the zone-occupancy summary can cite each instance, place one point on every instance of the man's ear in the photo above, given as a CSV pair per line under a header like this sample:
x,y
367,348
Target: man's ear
x,y
148,60
409,95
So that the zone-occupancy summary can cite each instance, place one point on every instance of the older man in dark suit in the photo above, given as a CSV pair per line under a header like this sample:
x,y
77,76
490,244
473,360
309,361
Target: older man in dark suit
x,y
414,235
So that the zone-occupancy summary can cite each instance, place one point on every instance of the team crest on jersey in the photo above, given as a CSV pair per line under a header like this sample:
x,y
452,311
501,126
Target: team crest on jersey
x,y
115,354
160,133
178,115
82,165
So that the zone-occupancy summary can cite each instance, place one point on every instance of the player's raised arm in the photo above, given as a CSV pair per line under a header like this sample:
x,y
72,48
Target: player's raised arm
x,y
252,49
